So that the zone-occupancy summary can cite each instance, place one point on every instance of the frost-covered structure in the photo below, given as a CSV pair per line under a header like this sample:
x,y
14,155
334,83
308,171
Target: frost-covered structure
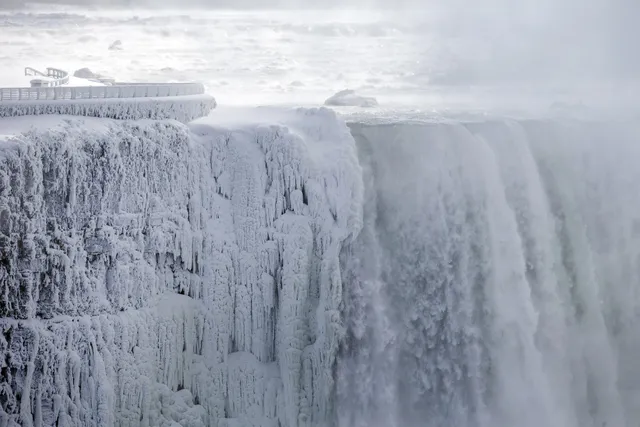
x,y
181,108
157,275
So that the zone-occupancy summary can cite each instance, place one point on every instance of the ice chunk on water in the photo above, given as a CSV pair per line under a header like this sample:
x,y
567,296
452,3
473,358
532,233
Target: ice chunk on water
x,y
349,98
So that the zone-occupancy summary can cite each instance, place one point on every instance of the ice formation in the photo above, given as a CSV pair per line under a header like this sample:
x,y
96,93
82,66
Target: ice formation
x,y
181,108
349,98
154,274
270,268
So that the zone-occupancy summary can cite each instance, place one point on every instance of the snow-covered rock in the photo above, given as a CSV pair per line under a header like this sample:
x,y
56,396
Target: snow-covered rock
x,y
86,73
157,275
349,98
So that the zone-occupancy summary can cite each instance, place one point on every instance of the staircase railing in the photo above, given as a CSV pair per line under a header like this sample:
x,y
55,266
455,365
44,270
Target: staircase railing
x,y
55,77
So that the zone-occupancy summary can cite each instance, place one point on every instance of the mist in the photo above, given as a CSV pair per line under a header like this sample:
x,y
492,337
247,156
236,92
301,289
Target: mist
x,y
541,40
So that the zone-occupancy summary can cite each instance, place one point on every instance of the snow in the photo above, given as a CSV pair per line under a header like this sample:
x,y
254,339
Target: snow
x,y
168,275
181,108
85,74
78,81
14,77
349,98
13,127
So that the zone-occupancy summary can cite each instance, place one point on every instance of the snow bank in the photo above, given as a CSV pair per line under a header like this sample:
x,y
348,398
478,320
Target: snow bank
x,y
181,108
156,275
86,73
349,98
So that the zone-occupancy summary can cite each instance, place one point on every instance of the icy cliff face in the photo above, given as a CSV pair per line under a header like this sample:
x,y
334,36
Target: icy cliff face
x,y
156,275
495,282
263,269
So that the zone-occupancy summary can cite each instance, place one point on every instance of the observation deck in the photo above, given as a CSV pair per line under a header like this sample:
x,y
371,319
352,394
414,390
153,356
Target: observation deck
x,y
56,92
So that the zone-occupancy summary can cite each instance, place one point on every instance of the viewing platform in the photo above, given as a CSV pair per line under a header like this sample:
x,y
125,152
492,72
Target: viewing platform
x,y
56,92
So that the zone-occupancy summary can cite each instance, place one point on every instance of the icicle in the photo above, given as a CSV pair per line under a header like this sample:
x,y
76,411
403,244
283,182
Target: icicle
x,y
177,272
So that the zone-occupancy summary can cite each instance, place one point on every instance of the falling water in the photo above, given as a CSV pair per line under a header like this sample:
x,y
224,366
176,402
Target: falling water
x,y
496,281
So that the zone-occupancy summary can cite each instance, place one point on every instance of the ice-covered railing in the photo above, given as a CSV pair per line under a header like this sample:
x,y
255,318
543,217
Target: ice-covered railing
x,y
56,77
119,90
183,102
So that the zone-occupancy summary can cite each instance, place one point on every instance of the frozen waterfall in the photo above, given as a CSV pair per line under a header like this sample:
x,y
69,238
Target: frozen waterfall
x,y
157,275
276,268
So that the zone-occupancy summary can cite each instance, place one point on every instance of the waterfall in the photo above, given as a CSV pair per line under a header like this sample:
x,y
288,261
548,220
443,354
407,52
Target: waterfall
x,y
496,279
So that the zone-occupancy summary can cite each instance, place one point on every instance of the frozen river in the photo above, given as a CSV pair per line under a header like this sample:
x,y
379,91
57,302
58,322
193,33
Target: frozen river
x,y
419,59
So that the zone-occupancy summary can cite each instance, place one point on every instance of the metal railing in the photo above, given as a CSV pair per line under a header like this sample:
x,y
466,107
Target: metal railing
x,y
28,71
117,91
58,77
